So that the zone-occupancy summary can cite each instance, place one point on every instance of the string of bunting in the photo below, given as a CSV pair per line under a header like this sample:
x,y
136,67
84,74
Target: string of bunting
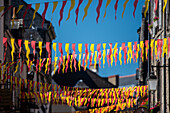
x,y
46,93
64,2
131,51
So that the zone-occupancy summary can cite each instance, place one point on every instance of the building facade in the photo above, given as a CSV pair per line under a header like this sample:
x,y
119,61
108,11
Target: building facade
x,y
156,27
24,32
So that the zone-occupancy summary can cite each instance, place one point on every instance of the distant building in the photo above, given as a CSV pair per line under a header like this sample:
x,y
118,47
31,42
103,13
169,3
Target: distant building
x,y
89,77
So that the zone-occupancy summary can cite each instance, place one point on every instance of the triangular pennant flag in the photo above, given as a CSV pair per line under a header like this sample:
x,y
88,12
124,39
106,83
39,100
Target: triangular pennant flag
x,y
13,48
120,55
86,8
37,6
54,7
135,5
92,53
28,7
44,13
107,4
98,9
61,11
71,8
6,10
124,7
77,10
146,7
116,6
40,53
99,54
164,7
104,53
80,50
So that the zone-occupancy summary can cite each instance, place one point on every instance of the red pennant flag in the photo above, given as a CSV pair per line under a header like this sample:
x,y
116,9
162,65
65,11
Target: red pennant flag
x,y
68,60
99,54
44,13
168,46
49,55
61,11
135,5
135,48
42,63
28,7
146,52
33,46
77,10
59,65
108,57
19,44
159,43
133,53
86,51
5,45
37,65
22,66
116,5
74,56
61,50
110,53
156,6
98,9
7,10
125,52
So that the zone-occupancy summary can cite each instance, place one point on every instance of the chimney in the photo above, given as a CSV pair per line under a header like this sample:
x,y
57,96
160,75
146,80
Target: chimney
x,y
94,69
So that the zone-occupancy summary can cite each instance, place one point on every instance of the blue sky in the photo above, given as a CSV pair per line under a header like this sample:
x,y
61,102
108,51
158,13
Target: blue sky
x,y
106,31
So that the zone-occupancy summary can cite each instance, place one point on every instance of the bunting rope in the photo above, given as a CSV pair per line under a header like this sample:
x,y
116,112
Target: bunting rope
x,y
131,51
55,3
119,97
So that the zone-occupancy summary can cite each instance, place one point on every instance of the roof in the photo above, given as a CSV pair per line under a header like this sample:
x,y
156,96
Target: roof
x,y
128,80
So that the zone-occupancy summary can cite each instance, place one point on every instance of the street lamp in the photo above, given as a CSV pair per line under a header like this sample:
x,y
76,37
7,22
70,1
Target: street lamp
x,y
152,82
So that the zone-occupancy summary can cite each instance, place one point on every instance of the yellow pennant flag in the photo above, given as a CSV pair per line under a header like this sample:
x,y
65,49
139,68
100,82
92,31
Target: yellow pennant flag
x,y
107,4
152,47
120,55
37,6
19,8
146,7
40,53
165,47
86,61
49,97
54,47
13,48
95,59
63,63
46,65
28,51
16,68
156,50
55,64
80,50
112,58
67,51
142,50
115,52
129,52
124,7
104,53
54,7
71,63
86,8
71,7
2,8
92,52
165,3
